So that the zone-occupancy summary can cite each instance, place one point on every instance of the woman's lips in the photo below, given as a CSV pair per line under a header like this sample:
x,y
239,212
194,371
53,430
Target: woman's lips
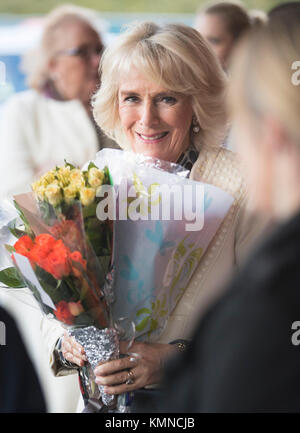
x,y
154,138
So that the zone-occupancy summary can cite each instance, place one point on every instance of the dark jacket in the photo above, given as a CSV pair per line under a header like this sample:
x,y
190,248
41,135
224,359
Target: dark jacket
x,y
20,389
242,358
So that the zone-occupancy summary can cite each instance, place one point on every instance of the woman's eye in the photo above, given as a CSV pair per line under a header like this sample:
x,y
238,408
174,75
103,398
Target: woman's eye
x,y
214,41
131,99
169,100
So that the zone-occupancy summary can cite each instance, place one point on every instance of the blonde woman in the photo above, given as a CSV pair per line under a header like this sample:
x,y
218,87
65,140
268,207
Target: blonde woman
x,y
245,353
53,121
162,94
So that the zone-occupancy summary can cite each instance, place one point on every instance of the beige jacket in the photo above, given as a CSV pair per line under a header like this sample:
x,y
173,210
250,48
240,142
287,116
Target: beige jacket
x,y
238,231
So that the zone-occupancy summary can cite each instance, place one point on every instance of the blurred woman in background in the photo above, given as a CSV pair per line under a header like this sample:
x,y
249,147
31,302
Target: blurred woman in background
x,y
245,356
52,121
223,23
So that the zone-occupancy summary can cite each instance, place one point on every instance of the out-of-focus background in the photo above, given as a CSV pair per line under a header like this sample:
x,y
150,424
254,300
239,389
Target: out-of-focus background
x,y
20,25
20,29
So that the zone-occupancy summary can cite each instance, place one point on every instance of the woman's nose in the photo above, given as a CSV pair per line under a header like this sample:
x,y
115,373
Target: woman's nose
x,y
148,114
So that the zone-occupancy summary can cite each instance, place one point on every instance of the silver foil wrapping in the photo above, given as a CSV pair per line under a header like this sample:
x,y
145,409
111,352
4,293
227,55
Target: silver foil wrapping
x,y
100,345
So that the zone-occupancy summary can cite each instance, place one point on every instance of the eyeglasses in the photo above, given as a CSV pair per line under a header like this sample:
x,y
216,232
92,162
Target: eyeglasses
x,y
84,51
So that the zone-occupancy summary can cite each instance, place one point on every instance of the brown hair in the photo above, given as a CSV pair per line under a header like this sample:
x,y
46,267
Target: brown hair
x,y
235,16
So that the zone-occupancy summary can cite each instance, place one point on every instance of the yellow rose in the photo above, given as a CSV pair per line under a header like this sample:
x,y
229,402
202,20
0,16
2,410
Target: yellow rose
x,y
70,193
48,178
36,185
87,196
53,194
95,177
63,176
39,190
76,178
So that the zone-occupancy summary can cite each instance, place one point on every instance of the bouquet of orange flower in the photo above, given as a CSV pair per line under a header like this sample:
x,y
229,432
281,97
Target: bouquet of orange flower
x,y
73,295
63,255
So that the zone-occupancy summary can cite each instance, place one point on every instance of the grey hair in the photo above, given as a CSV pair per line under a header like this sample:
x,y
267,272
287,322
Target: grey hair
x,y
35,63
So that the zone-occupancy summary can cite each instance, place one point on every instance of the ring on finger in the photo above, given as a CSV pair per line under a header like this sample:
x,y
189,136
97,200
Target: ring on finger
x,y
130,378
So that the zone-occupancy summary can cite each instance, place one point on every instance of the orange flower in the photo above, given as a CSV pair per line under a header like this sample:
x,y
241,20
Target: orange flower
x,y
58,262
46,242
51,255
77,257
24,245
63,313
37,254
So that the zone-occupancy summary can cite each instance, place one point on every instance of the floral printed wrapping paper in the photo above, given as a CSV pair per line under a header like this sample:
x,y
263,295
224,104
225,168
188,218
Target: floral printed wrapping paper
x,y
160,245
107,249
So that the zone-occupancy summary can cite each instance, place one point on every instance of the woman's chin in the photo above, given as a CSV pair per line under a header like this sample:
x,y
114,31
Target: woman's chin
x,y
153,153
151,149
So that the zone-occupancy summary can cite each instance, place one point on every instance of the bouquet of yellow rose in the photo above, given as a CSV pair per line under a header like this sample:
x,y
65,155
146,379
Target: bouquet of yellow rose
x,y
67,194
63,255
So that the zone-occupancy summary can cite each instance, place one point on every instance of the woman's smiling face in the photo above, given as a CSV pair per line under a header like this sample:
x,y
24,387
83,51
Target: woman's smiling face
x,y
155,120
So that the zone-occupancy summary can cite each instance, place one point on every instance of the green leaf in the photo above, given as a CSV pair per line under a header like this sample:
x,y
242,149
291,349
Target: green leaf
x,y
17,233
24,219
11,278
9,248
67,164
84,319
108,179
90,211
92,165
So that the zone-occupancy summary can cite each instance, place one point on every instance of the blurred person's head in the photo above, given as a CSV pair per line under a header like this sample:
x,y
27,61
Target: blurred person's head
x,y
265,102
68,56
222,24
284,11
161,90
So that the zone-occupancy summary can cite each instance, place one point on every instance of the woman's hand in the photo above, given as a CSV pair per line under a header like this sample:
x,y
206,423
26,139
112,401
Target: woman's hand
x,y
73,351
145,362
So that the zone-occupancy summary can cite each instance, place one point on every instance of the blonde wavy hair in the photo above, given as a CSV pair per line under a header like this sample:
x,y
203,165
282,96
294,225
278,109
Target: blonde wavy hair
x,y
264,78
179,59
35,63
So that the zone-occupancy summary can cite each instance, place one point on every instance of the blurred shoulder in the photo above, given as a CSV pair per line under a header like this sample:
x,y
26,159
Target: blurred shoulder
x,y
220,167
32,103
24,97
26,100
